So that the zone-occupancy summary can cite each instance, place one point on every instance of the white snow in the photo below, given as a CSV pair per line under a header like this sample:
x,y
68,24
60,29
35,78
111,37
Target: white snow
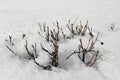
x,y
18,17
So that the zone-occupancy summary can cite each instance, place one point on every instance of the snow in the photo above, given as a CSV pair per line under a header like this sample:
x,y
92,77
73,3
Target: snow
x,y
18,17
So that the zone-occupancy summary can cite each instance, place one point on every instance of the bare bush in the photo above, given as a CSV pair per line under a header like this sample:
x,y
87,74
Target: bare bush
x,y
53,54
50,34
79,29
34,55
54,36
84,51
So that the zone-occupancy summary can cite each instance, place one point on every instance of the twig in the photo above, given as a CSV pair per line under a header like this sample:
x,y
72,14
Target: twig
x,y
35,50
11,50
93,59
63,34
45,50
40,26
44,67
90,32
73,54
29,53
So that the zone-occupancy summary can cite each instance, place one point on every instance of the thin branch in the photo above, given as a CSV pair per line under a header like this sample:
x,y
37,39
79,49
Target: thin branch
x,y
10,37
81,45
73,54
96,37
40,34
90,32
44,67
63,34
35,50
29,53
40,26
79,57
44,27
47,34
11,50
45,49
93,60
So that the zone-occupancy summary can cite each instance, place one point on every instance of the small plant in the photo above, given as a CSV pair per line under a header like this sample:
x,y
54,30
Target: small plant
x,y
112,27
10,40
64,36
53,54
83,29
82,52
54,36
34,55
71,28
77,29
10,43
50,34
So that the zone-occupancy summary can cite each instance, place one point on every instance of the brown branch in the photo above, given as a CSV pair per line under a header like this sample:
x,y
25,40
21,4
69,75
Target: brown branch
x,y
91,45
71,29
81,45
93,59
96,37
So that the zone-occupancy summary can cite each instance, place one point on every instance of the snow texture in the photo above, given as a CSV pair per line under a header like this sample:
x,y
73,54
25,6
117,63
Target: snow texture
x,y
18,17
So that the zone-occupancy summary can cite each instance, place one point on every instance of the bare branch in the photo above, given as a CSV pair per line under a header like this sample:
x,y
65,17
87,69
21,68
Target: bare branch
x,y
40,26
81,45
90,32
44,67
47,35
75,52
83,51
35,50
10,37
44,27
93,59
40,34
79,57
29,53
11,50
10,41
45,49
63,34
96,37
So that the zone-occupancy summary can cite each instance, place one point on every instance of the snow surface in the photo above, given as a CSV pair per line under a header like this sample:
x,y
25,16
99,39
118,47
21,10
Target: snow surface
x,y
19,17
